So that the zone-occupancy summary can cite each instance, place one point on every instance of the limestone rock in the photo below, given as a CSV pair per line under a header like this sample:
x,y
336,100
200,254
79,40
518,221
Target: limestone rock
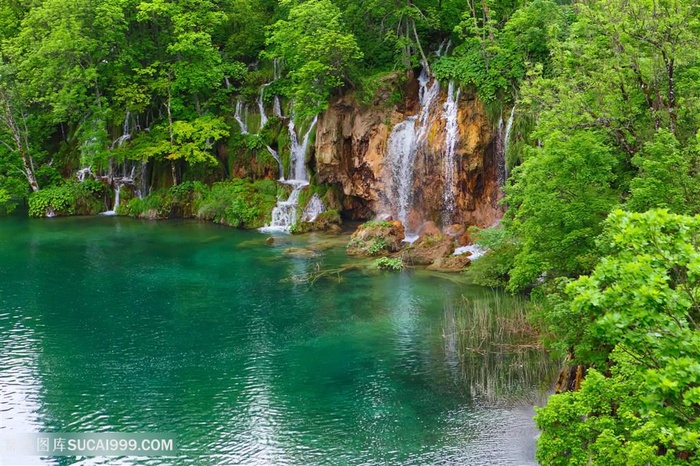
x,y
351,146
451,263
427,249
376,239
429,229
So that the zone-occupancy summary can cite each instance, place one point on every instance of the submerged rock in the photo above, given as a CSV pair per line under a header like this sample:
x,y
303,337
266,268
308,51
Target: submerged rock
x,y
303,253
376,238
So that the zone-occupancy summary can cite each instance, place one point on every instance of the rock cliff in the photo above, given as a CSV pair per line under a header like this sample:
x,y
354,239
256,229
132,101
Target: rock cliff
x,y
351,151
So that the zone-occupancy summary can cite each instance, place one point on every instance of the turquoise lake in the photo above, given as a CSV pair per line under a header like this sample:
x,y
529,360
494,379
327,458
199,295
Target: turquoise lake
x,y
248,354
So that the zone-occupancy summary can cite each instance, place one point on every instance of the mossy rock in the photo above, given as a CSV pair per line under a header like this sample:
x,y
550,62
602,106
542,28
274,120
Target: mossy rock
x,y
377,238
328,221
428,249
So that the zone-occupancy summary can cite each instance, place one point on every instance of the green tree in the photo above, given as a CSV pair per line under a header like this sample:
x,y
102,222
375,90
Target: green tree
x,y
317,50
14,131
617,75
669,176
566,191
635,320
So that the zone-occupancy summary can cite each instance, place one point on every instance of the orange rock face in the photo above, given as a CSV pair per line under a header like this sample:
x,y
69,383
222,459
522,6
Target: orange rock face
x,y
351,146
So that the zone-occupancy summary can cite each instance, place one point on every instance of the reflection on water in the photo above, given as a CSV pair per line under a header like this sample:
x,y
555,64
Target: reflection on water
x,y
496,351
118,325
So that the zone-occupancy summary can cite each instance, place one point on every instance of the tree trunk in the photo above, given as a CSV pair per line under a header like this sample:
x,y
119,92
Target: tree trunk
x,y
19,139
173,170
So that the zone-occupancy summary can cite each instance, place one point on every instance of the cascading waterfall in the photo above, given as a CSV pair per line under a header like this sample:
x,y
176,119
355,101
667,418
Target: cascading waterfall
x,y
126,133
84,173
313,209
117,194
298,151
506,142
401,149
404,141
261,106
284,214
238,116
502,145
277,107
443,48
276,156
449,114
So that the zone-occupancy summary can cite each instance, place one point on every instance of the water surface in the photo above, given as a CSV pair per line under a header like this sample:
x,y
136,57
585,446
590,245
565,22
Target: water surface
x,y
119,325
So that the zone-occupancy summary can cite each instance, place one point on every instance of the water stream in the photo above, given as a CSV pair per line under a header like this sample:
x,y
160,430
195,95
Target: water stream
x,y
405,140
285,213
449,114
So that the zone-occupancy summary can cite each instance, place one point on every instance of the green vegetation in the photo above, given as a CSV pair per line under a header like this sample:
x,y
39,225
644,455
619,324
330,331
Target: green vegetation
x,y
238,203
635,321
69,198
158,81
389,263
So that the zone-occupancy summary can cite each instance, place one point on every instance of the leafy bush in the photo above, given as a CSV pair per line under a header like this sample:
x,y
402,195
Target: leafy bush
x,y
378,245
493,268
238,203
633,323
70,198
389,263
177,201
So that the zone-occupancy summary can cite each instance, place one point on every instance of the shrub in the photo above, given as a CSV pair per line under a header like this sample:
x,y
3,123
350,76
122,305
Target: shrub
x,y
378,245
238,203
70,198
389,263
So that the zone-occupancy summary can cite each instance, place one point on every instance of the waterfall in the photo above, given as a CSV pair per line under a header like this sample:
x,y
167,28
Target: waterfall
x,y
284,214
474,249
261,106
298,151
143,188
447,49
117,190
276,107
313,209
276,156
445,44
506,143
126,133
401,152
83,174
403,144
449,114
502,144
427,94
239,118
